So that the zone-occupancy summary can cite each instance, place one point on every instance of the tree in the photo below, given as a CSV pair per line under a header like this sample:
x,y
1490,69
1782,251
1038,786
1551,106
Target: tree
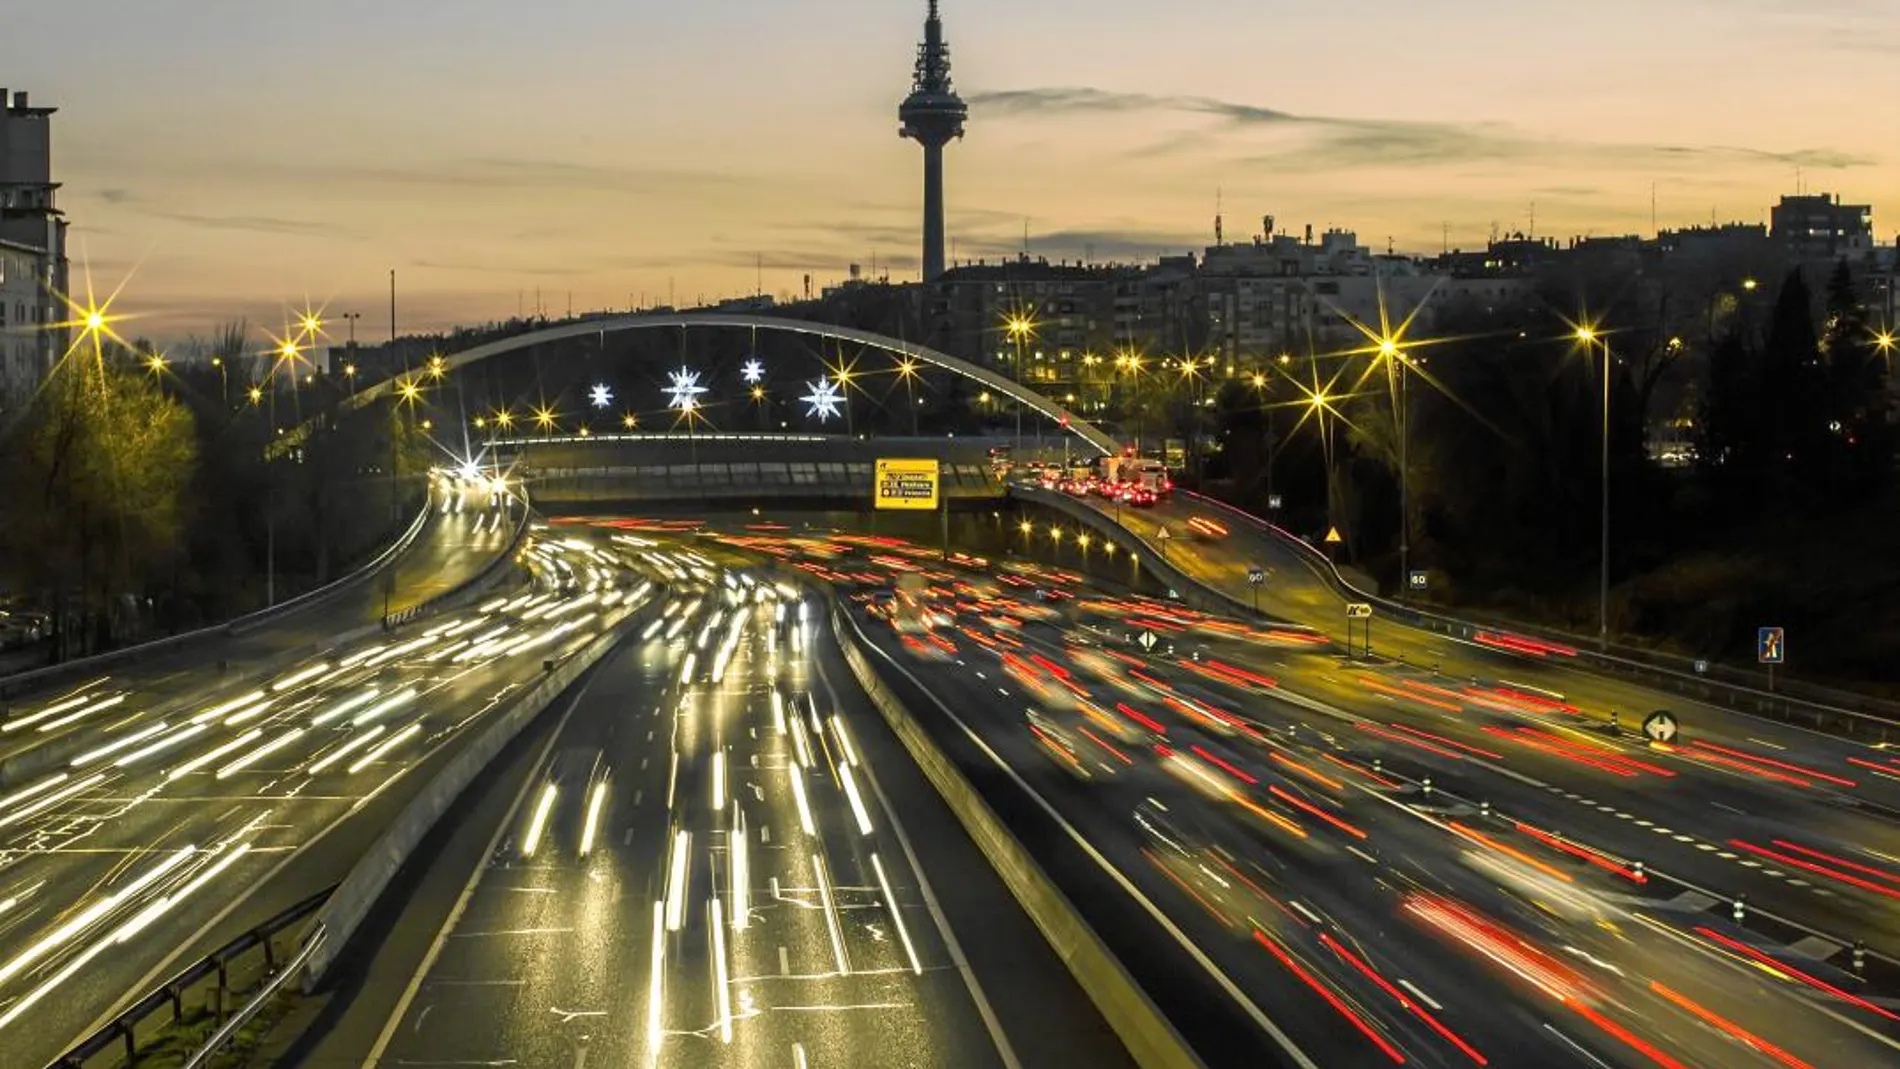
x,y
1859,443
96,479
1790,410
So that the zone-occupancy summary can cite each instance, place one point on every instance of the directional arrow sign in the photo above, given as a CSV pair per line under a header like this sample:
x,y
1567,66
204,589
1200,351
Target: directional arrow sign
x,y
1661,726
1147,640
1163,534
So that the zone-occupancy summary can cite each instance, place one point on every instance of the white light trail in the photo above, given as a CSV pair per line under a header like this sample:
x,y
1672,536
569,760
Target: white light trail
x,y
686,673
86,919
347,705
116,745
652,629
539,822
593,817
24,793
740,879
159,908
393,702
217,711
249,712
209,756
306,675
346,749
260,753
778,712
656,984
676,879
76,714
722,991
53,799
844,740
857,801
59,707
719,781
804,807
387,745
831,914
897,915
161,745
801,745
672,780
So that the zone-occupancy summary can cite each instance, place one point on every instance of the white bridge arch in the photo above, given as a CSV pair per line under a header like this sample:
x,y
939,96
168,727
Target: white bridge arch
x,y
1008,387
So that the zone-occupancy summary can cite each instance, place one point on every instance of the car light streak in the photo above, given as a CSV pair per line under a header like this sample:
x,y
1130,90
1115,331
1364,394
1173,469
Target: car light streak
x,y
676,879
75,715
897,916
831,914
304,676
1698,748
389,704
739,860
1332,999
656,984
164,905
722,989
166,743
538,823
1736,1031
214,754
719,780
86,919
844,740
349,747
382,748
592,821
857,800
344,707
1820,870
1509,851
52,710
249,712
261,752
804,806
1299,803
217,711
1365,968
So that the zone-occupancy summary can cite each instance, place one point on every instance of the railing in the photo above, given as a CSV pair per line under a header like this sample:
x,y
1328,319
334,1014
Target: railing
x,y
99,662
1826,710
482,581
127,1031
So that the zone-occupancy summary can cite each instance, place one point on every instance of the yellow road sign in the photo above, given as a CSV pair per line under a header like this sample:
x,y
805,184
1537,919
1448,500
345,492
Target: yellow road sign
x,y
906,484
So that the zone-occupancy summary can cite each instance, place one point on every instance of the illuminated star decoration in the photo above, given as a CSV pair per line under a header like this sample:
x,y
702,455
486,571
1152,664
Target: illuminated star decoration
x,y
685,390
601,395
752,371
823,399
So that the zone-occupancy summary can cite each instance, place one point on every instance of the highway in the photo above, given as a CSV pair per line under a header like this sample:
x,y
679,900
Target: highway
x,y
707,870
151,840
1251,830
458,541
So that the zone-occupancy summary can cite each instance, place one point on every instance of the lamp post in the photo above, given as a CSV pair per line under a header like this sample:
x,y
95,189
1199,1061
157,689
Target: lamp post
x,y
907,370
1398,365
1020,328
1591,337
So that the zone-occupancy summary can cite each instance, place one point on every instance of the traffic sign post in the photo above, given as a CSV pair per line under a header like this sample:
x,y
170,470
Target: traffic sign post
x,y
907,485
1161,536
1661,727
1256,577
1771,649
1273,502
1358,610
1147,640
1417,580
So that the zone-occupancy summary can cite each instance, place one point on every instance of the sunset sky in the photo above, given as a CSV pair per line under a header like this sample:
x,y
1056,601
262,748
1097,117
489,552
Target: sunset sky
x,y
244,155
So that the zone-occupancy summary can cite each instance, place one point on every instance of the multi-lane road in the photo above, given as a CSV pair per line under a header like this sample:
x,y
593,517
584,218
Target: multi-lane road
x,y
706,868
178,805
1245,815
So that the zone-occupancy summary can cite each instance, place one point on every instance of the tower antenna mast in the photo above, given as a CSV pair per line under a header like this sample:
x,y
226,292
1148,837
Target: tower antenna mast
x,y
933,116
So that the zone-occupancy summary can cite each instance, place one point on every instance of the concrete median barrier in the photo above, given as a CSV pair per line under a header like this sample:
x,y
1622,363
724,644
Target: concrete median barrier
x,y
1150,1038
359,892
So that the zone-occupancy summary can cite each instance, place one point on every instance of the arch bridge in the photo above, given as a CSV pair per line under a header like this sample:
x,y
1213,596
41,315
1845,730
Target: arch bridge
x,y
1001,384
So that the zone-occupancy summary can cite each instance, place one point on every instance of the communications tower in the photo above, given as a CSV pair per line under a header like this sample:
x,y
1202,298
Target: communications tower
x,y
932,115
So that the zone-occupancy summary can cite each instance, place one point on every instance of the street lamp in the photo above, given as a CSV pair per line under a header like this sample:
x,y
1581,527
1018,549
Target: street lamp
x,y
907,370
1020,329
1399,365
1590,337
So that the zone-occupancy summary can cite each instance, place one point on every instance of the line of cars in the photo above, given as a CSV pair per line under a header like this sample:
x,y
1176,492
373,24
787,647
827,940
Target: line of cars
x,y
1137,481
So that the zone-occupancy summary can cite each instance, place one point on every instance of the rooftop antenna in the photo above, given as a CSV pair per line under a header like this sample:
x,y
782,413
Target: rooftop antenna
x,y
1533,231
1653,229
761,273
1025,237
1800,186
1444,247
1217,217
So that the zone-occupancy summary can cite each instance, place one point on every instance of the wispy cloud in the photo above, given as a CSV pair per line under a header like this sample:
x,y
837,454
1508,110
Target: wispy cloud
x,y
1334,141
523,174
256,224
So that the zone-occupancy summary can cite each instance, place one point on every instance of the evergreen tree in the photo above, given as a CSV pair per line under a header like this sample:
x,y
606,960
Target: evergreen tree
x,y
1860,448
1790,414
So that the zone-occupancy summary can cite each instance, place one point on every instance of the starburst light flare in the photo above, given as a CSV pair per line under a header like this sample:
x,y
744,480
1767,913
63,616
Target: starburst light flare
x,y
685,390
824,399
752,371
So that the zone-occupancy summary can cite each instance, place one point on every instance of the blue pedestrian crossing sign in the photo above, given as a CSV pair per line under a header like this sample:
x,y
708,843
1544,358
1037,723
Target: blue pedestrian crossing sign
x,y
1771,645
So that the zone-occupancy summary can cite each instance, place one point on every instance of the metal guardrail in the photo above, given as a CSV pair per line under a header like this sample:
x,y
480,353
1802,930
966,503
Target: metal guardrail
x,y
250,1009
123,1030
1834,711
20,681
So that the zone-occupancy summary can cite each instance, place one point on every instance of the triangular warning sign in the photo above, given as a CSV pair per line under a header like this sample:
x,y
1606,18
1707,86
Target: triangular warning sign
x,y
1332,535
